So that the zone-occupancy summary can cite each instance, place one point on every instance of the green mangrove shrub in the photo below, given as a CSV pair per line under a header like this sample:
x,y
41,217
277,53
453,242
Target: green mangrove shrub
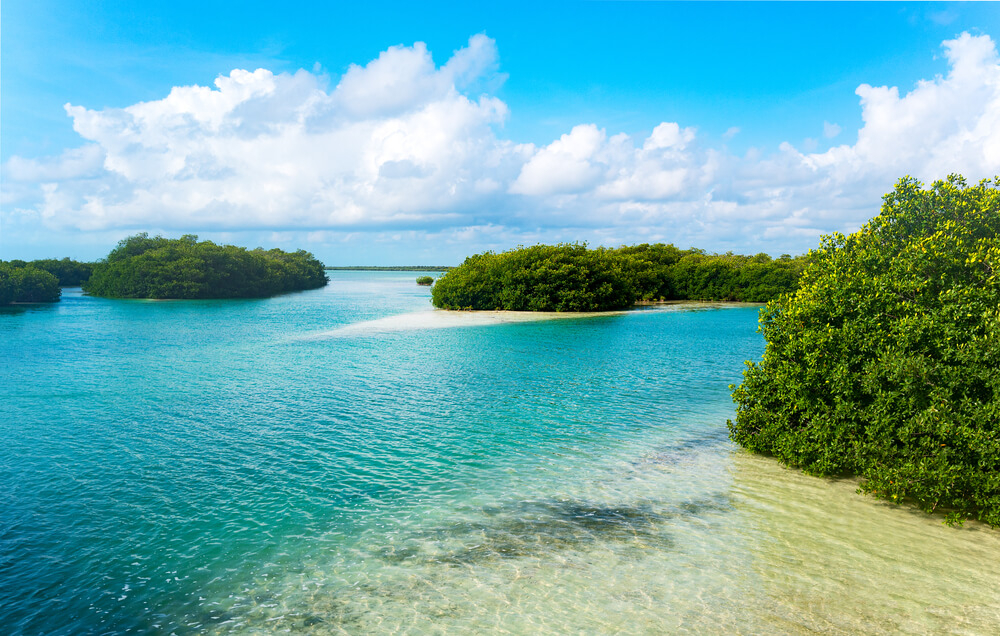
x,y
22,282
425,280
70,273
566,277
570,277
886,362
144,267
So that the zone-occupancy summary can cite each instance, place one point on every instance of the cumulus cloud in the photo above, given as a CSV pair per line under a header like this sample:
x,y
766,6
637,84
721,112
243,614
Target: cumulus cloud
x,y
405,78
569,164
74,163
402,145
949,124
944,125
395,142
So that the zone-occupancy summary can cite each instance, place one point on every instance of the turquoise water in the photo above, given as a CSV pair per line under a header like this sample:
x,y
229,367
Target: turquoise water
x,y
334,462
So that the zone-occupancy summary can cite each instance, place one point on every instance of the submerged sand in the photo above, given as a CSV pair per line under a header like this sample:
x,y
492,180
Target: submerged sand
x,y
447,319
444,319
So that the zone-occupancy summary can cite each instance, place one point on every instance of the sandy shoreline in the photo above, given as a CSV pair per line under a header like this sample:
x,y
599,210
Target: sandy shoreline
x,y
444,319
447,319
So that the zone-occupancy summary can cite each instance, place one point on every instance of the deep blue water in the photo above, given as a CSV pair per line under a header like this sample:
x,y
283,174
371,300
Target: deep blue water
x,y
266,465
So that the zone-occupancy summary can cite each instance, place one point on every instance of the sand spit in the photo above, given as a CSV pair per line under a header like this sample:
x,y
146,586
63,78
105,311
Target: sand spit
x,y
444,319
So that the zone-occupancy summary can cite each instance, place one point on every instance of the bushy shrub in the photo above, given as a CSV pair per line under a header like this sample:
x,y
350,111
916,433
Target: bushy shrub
x,y
886,362
21,282
425,280
144,267
573,278
70,273
539,278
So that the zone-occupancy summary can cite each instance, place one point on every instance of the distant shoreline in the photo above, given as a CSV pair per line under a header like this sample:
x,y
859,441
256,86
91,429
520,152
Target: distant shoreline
x,y
647,305
399,268
691,301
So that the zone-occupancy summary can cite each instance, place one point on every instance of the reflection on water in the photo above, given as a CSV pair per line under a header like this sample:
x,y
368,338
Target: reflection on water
x,y
199,467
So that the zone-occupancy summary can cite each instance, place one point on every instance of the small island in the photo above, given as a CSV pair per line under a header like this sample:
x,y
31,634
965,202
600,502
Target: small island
x,y
22,282
571,277
425,280
39,281
155,267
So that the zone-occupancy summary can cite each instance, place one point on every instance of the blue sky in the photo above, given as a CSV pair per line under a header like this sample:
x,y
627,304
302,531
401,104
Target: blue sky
x,y
752,89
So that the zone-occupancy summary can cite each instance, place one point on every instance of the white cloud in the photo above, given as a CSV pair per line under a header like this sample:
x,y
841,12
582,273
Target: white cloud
x,y
587,161
669,135
405,78
568,165
394,142
74,163
948,124
399,148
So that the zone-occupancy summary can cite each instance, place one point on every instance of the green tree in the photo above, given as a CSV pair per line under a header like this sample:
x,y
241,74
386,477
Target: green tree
x,y
27,284
573,278
144,267
886,362
8,288
565,277
70,273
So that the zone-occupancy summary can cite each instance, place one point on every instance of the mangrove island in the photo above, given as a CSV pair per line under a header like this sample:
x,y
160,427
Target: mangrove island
x,y
571,277
155,267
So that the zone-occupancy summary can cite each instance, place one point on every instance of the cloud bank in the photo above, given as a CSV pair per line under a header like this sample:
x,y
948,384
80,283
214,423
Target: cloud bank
x,y
402,147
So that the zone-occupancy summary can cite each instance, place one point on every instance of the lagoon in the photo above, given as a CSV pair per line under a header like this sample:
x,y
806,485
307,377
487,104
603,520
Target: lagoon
x,y
346,460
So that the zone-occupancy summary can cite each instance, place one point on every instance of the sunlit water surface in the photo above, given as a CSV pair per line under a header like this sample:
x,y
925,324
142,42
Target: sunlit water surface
x,y
332,462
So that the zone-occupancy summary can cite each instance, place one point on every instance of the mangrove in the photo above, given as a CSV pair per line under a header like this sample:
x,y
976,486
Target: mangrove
x,y
885,363
22,282
68,272
571,277
156,267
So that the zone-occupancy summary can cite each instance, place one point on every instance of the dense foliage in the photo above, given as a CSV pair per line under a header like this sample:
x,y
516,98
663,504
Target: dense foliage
x,y
70,273
574,278
145,267
664,272
425,280
391,268
538,278
21,282
886,362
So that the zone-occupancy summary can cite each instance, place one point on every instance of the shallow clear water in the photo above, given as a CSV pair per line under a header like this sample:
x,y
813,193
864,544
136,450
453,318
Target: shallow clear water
x,y
309,463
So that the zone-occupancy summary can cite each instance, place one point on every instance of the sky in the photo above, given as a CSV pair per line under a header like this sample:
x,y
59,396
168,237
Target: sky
x,y
421,133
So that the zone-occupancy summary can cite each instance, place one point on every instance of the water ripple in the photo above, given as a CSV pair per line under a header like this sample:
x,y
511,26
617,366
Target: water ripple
x,y
216,467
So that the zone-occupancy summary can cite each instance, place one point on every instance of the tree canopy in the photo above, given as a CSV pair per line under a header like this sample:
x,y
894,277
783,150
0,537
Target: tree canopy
x,y
155,267
22,282
571,277
70,273
886,362
538,278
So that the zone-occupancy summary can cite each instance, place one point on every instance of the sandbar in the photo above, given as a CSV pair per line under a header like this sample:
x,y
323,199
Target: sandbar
x,y
446,319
